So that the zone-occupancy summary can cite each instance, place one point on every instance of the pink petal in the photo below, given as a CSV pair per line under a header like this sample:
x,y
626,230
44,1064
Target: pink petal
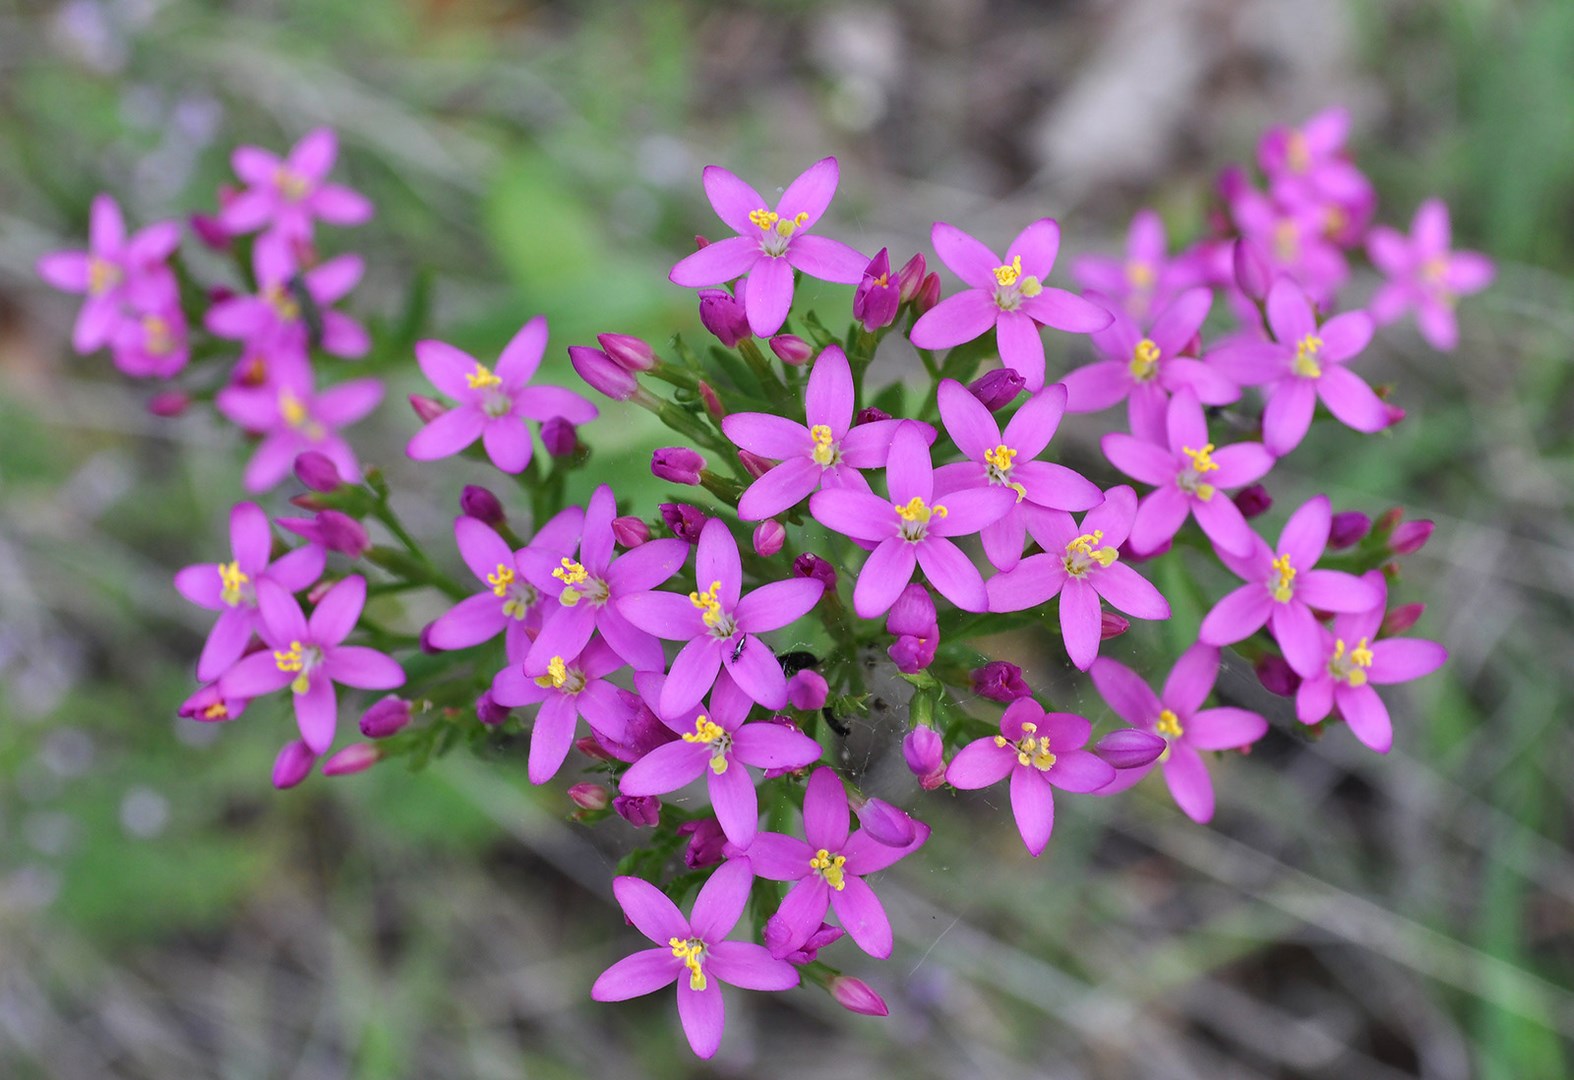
x,y
1140,460
952,573
1096,386
733,200
1351,400
716,560
337,612
316,714
769,436
750,966
1344,336
1038,245
1300,636
811,193
471,621
1289,313
1034,580
1224,729
1397,660
1129,591
649,909
862,916
773,746
1127,694
801,912
338,205
829,398
342,405
776,604
668,767
507,442
718,263
1021,347
769,296
756,671
551,737
737,806
955,320
979,764
703,1016
969,424
522,355
1305,535
692,674
970,510
783,487
1159,516
1238,616
1057,487
669,615
1034,425
1188,781
884,575
1222,522
826,259
1288,415
1367,716
1192,678
1429,230
1079,622
313,156
719,905
1178,323
1079,771
909,473
65,270
225,644
1066,311
1033,805
966,257
634,976
363,668
825,810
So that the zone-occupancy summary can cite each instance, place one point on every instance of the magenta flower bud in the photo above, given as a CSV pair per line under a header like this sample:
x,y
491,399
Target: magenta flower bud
x,y
870,415
591,747
168,404
427,408
1401,619
769,536
723,315
791,349
340,532
560,437
480,503
777,933
924,752
1396,413
884,822
1000,681
998,388
712,402
426,645
755,465
807,690
913,613
627,351
1112,625
315,470
1253,271
1410,537
911,276
707,843
293,764
677,464
640,811
812,566
1253,500
928,296
386,717
355,758
598,370
877,299
1348,529
629,531
488,711
211,231
685,521
911,653
590,796
209,706
1276,676
855,995
1130,748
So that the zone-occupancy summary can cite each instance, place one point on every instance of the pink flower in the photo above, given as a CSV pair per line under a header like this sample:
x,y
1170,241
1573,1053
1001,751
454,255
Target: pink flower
x,y
1189,477
879,294
572,687
1007,295
1039,751
827,871
1294,238
292,308
770,244
310,656
1180,719
1425,275
285,196
231,588
493,405
293,419
1080,566
1142,282
1307,168
153,344
693,952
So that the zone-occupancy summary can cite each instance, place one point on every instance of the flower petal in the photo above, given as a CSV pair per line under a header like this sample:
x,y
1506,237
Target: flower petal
x,y
635,976
955,320
1188,782
1033,805
1132,699
718,263
862,916
884,575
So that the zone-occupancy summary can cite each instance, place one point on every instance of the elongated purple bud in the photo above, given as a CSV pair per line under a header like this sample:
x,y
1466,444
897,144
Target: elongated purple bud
x,y
627,351
807,690
560,437
640,811
712,401
677,465
1130,748
211,231
315,470
384,718
997,389
1000,680
769,536
928,296
630,532
488,711
684,521
427,408
913,613
480,503
598,370
857,996
878,296
342,533
884,822
791,349
590,796
168,404
1253,501
293,764
1112,625
723,315
870,415
812,566
924,752
1253,271
1276,675
755,465
1348,529
1410,537
706,842
1401,618
355,758
911,276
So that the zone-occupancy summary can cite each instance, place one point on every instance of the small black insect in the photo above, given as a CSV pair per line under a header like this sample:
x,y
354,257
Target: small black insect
x,y
794,662
737,648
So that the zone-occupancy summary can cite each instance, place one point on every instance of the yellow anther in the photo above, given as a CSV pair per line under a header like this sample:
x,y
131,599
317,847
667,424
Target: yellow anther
x,y
556,676
291,185
1001,457
690,952
1297,153
1139,274
1306,364
1028,727
1001,741
1169,725
217,711
1087,545
1350,667
765,219
291,408
825,452
289,660
1286,241
1007,275
102,275
830,868
501,580
1200,460
1282,589
1435,269
786,227
283,304
709,733
708,603
1361,654
570,573
1032,749
1144,359
1029,286
1205,492
916,510
1334,221
481,378
231,578
156,335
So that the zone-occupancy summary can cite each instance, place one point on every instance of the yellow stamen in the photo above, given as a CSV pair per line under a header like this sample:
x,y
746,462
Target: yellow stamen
x,y
291,408
501,580
102,275
1008,274
1306,364
231,577
1350,668
1169,725
481,378
1144,359
1200,460
1286,241
1032,749
708,732
690,952
830,868
291,185
708,603
556,676
1282,590
824,452
157,337
1139,274
283,304
217,711
998,463
1298,155
292,660
1087,545
919,511
570,573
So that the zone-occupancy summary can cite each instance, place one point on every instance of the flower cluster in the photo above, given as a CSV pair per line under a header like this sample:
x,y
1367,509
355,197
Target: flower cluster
x,y
833,532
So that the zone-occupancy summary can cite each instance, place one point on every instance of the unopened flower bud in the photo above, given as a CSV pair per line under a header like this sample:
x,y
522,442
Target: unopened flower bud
x,y
706,842
1130,748
807,690
427,408
1253,271
1348,529
426,645
998,388
685,521
1000,681
480,503
711,400
629,531
878,297
168,404
924,751
560,437
928,296
1410,537
293,764
598,370
211,231
911,653
1276,676
913,612
870,415
385,717
857,996
592,748
769,536
677,464
723,315
317,471
488,711
1401,618
1253,500
911,276
812,566
640,811
884,823
355,758
627,351
1112,625
791,349
755,465
332,530
590,796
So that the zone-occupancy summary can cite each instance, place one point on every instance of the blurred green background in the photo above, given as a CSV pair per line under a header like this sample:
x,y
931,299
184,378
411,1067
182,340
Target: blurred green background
x,y
164,913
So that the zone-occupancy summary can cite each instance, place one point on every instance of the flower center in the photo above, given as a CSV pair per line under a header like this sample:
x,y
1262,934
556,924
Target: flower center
x,y
709,733
691,952
481,378
300,659
560,676
915,517
1032,748
709,605
997,466
156,336
1286,241
1169,725
830,867
234,581
1139,274
102,275
1297,153
292,185
1335,221
1144,360
776,230
825,453
1306,365
1280,584
1083,552
1190,478
283,304
1350,667
579,585
297,416
1011,285
217,711
518,596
